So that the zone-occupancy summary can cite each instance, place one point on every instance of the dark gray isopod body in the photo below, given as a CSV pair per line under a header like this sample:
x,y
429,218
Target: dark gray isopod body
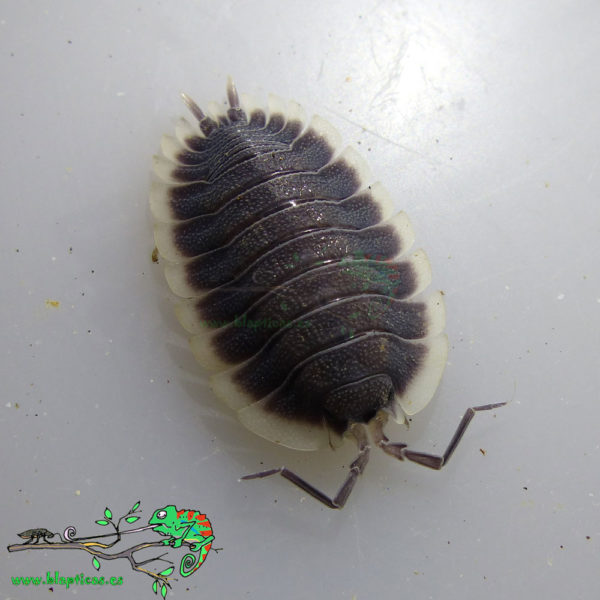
x,y
299,281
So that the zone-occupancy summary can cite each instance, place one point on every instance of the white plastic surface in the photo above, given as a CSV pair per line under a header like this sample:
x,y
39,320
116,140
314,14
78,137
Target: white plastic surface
x,y
481,119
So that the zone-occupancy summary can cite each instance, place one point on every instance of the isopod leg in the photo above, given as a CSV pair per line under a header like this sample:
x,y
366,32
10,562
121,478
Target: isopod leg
x,y
432,461
356,468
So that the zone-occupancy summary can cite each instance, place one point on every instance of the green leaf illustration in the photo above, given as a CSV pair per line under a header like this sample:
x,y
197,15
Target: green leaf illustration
x,y
131,519
96,563
102,522
167,572
107,513
135,506
155,586
163,590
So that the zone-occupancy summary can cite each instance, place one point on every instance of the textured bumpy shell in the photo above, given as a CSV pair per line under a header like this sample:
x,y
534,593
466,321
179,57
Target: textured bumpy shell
x,y
297,275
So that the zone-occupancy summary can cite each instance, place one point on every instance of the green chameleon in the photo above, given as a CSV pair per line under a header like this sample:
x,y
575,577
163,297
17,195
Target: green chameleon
x,y
184,526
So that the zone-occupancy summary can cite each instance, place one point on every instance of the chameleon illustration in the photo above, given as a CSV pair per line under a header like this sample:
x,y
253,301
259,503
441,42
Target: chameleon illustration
x,y
31,534
184,526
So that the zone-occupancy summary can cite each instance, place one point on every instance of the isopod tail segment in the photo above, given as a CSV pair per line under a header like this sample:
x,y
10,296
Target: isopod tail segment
x,y
208,125
397,450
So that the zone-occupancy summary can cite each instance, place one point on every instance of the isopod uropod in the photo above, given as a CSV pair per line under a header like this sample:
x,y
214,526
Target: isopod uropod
x,y
298,281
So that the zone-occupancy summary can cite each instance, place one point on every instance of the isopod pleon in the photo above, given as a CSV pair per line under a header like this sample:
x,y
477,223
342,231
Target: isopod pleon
x,y
299,281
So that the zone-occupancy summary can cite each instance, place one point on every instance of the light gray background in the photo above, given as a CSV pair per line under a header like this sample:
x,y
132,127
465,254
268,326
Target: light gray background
x,y
482,120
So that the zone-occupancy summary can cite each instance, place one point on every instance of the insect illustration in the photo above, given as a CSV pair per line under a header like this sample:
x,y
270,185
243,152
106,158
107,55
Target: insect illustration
x,y
36,534
299,282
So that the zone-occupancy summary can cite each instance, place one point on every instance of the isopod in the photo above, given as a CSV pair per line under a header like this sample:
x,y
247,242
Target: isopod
x,y
301,292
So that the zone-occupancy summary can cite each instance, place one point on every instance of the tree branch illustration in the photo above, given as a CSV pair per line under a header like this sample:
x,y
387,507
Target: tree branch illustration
x,y
98,549
90,548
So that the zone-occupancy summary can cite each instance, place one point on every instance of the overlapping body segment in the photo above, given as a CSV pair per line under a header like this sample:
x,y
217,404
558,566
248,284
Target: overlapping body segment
x,y
297,275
